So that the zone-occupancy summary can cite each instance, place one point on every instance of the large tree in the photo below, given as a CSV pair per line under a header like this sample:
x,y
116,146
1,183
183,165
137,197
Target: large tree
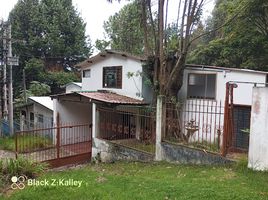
x,y
243,44
50,30
124,30
165,64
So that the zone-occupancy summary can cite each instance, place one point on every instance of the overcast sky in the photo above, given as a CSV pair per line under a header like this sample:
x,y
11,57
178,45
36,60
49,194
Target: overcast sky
x,y
94,14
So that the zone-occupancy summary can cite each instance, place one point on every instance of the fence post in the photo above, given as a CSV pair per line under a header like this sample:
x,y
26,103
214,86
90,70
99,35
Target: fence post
x,y
160,126
58,135
138,127
258,149
226,121
22,123
95,120
16,145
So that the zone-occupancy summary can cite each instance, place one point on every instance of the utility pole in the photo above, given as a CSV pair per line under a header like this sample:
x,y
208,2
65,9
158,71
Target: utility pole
x,y
10,89
24,86
5,112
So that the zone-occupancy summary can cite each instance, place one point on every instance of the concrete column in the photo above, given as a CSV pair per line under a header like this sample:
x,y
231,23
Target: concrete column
x,y
258,148
22,122
95,121
138,127
160,126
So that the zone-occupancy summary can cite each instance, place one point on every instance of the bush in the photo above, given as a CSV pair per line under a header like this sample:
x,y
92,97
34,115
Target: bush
x,y
18,167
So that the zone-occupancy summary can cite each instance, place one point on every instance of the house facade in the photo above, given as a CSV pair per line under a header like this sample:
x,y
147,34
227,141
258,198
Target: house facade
x,y
113,71
209,82
37,113
109,80
205,93
112,80
73,87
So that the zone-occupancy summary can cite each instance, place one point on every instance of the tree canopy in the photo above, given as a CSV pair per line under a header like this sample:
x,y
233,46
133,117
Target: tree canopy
x,y
242,43
47,32
49,28
124,30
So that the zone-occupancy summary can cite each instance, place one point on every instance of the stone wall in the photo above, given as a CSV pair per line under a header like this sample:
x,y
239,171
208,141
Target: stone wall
x,y
186,155
110,152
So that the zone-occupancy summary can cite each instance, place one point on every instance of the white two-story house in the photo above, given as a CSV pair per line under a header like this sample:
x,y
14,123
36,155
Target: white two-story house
x,y
114,78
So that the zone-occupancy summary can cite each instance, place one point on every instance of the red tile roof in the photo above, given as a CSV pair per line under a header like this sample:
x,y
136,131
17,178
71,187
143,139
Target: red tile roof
x,y
109,97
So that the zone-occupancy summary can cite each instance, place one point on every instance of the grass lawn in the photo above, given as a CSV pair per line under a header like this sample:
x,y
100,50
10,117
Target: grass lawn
x,y
25,143
128,181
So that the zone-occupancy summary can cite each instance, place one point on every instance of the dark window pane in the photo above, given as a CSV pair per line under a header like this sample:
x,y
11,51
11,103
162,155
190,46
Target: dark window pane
x,y
201,86
112,77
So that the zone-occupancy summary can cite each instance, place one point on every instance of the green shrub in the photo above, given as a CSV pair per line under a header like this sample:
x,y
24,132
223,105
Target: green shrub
x,y
16,167
22,166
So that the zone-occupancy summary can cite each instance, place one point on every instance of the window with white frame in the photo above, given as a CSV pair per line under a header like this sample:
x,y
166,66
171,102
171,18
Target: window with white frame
x,y
201,86
86,73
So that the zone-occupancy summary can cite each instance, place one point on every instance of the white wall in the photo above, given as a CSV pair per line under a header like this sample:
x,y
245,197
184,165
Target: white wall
x,y
130,86
242,94
73,113
258,144
214,122
37,109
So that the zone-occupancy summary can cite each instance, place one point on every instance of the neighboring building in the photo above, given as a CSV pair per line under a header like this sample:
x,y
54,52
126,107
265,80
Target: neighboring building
x,y
73,87
209,82
36,113
204,93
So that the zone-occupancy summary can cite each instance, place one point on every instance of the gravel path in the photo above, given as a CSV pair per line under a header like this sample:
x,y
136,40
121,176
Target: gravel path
x,y
6,154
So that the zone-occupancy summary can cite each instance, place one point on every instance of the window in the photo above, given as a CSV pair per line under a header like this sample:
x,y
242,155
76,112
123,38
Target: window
x,y
31,119
112,77
201,86
40,118
86,73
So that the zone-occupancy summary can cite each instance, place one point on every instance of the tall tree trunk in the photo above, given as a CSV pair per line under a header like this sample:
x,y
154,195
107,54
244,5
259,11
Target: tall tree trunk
x,y
143,4
162,75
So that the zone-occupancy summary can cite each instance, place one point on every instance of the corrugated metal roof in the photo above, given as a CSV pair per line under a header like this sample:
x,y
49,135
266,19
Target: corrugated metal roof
x,y
44,101
74,83
110,97
224,68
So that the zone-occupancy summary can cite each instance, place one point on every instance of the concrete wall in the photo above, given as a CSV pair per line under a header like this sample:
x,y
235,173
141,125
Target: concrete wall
x,y
73,112
130,86
258,144
110,152
186,155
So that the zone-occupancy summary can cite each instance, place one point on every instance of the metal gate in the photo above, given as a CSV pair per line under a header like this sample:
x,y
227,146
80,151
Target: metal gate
x,y
60,145
241,118
236,123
